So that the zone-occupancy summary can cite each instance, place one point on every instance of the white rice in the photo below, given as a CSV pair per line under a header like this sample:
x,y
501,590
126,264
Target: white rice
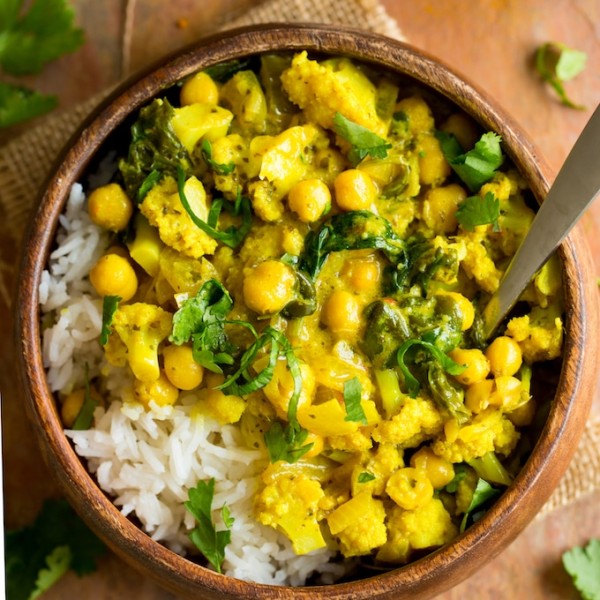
x,y
147,460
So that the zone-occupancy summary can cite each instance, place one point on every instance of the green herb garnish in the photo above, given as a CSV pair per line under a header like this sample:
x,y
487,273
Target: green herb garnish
x,y
474,211
286,443
18,104
352,398
85,417
363,141
583,565
205,536
482,494
219,168
478,165
38,555
109,308
557,63
365,477
232,236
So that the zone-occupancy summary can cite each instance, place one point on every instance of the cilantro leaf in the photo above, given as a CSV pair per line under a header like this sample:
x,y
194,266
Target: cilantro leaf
x,y
482,495
286,443
352,397
109,308
218,168
36,554
85,417
44,33
363,141
365,477
475,211
557,63
18,104
477,166
583,565
205,537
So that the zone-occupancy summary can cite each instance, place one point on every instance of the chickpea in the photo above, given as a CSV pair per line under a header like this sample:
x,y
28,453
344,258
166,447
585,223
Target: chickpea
x,y
433,166
269,287
363,274
109,207
522,415
310,199
440,206
113,275
354,190
180,367
409,488
505,356
341,312
465,307
477,365
418,114
507,393
161,391
477,396
439,471
199,88
464,129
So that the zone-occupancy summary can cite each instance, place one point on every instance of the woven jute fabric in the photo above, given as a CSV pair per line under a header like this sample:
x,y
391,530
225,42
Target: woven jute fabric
x,y
25,163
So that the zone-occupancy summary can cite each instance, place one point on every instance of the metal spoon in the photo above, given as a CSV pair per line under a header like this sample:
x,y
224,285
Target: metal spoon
x,y
576,186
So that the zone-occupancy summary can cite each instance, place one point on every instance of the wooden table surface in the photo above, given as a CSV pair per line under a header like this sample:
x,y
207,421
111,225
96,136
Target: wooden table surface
x,y
492,44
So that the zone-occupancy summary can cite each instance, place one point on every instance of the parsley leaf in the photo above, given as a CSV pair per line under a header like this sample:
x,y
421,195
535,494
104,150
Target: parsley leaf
x,y
44,33
557,63
365,477
477,166
583,565
218,168
109,308
39,554
352,397
18,104
205,537
363,141
475,211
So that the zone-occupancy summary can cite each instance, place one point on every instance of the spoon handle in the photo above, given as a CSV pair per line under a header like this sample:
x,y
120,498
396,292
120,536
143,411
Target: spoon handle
x,y
576,186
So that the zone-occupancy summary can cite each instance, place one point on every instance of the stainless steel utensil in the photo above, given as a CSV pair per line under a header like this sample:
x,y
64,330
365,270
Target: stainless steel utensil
x,y
576,186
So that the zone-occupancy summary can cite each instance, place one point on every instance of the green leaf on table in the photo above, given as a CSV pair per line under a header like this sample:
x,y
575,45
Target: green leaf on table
x,y
474,211
363,141
42,34
37,556
583,565
556,63
18,104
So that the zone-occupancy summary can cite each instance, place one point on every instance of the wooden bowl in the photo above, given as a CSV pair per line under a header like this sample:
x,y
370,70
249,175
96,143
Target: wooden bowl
x,y
567,413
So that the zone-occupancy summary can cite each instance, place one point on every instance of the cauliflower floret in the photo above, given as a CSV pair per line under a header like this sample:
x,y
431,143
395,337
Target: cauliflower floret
x,y
224,408
163,209
184,274
477,263
289,502
375,469
137,331
418,420
359,524
336,85
539,334
428,526
488,431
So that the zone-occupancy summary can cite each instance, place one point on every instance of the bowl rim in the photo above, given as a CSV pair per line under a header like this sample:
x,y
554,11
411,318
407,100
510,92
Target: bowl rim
x,y
565,422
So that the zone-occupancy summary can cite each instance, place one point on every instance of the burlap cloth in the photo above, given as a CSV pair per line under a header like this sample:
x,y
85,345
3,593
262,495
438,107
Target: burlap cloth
x,y
26,160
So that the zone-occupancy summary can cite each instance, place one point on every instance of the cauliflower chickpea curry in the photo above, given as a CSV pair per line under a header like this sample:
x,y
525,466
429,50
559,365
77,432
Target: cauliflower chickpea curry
x,y
305,245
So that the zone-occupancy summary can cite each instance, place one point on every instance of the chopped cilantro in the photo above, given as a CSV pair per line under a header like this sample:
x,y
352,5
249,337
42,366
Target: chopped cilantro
x,y
17,104
475,211
557,63
478,165
482,494
38,555
583,565
205,536
286,443
363,141
109,308
352,397
365,477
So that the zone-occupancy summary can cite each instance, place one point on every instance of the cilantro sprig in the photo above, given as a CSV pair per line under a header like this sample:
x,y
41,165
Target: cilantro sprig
x,y
28,41
476,166
205,536
556,63
363,141
38,555
583,565
474,211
